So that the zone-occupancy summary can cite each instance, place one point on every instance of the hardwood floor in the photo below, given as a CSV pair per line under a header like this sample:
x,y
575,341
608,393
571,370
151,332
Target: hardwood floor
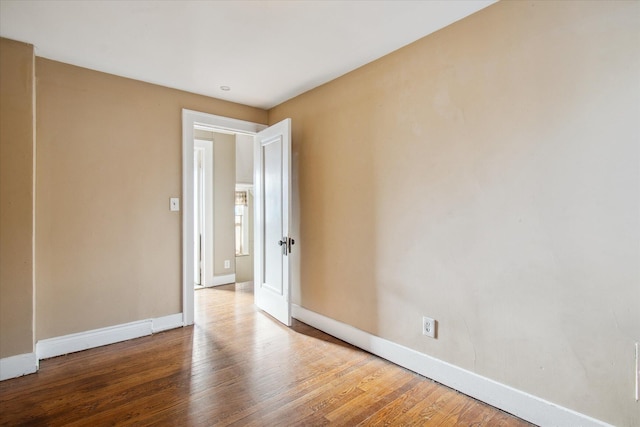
x,y
235,367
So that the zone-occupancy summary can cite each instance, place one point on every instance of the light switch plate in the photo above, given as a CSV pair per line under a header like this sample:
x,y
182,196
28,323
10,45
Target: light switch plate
x,y
174,204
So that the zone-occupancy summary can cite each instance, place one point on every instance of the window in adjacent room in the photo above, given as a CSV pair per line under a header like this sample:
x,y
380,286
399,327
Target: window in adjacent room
x,y
242,223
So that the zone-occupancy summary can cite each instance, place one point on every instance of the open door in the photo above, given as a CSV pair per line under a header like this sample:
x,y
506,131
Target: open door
x,y
273,243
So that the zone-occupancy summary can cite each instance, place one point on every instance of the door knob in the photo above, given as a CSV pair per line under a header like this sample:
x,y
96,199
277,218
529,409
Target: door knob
x,y
283,243
286,244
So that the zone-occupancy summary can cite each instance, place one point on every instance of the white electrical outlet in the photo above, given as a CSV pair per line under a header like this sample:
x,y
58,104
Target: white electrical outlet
x,y
428,327
227,263
174,204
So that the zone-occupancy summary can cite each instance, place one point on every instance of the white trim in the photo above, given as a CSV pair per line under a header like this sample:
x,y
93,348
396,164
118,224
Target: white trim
x,y
190,119
188,122
637,393
58,346
208,249
165,323
223,280
66,344
17,366
504,397
244,186
206,121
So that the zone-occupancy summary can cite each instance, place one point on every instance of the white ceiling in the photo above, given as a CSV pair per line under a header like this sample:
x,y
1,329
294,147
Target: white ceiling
x,y
266,51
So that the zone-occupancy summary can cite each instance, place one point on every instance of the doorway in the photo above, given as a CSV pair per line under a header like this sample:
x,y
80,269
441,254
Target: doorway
x,y
272,179
203,226
198,214
244,208
191,122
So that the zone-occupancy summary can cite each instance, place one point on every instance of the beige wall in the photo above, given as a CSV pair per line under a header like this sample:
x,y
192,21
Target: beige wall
x,y
224,176
244,159
487,176
16,198
108,249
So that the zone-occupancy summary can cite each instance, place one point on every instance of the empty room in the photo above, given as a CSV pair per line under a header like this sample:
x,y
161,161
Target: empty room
x,y
320,213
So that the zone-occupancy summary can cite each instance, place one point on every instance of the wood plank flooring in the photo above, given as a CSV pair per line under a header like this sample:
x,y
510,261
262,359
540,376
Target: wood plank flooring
x,y
235,367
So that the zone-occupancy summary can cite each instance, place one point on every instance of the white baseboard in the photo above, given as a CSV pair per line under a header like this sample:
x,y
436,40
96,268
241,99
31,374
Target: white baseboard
x,y
223,280
58,346
165,323
17,366
506,398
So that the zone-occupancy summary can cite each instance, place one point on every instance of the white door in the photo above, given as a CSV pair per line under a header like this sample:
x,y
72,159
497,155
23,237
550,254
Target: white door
x,y
272,240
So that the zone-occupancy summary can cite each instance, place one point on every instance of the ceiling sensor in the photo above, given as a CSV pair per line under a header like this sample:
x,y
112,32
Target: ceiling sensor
x,y
225,88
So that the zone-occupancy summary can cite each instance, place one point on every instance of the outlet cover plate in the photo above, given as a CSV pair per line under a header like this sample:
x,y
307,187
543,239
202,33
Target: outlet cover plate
x,y
428,327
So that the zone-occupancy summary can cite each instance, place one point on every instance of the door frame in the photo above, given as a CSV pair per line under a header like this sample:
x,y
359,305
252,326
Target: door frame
x,y
208,249
191,119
